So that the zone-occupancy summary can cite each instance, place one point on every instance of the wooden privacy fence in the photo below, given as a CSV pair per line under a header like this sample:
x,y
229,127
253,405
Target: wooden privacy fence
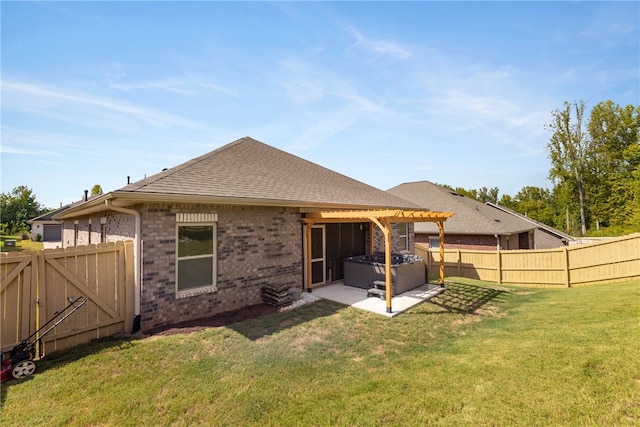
x,y
36,285
609,261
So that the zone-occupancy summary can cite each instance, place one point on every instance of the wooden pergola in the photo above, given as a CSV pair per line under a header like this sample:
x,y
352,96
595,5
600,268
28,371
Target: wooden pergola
x,y
382,219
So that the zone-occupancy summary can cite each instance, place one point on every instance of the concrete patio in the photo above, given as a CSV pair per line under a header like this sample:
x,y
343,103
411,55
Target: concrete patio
x,y
357,297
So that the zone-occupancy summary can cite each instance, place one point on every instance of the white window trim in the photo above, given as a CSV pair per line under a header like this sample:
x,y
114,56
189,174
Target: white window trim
x,y
406,235
206,219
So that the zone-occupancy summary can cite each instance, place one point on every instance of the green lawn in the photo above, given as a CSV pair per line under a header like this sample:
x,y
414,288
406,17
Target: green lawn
x,y
21,245
480,354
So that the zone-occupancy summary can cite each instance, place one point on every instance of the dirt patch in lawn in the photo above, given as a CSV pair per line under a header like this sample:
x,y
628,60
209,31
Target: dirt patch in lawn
x,y
221,319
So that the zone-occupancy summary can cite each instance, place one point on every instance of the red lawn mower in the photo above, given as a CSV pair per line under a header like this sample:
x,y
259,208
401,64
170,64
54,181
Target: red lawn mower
x,y
20,363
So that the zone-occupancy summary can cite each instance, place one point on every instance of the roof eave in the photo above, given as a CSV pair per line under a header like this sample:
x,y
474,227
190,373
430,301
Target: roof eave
x,y
127,199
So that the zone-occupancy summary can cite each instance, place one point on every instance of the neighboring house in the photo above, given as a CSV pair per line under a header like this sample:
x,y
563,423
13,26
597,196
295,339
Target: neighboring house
x,y
476,225
49,229
545,237
211,232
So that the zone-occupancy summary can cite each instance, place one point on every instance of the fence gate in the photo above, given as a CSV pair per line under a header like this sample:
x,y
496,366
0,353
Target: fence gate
x,y
36,285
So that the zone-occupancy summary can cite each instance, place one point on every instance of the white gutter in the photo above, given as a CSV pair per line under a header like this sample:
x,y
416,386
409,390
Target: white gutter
x,y
137,261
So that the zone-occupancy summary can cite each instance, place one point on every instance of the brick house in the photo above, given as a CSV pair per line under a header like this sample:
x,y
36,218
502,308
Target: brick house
x,y
47,228
212,231
476,225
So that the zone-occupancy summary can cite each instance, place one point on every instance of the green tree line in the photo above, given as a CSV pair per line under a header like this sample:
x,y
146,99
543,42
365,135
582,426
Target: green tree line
x,y
595,172
16,208
20,205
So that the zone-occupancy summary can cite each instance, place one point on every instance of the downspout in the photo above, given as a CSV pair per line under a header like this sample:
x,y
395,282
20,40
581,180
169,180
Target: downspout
x,y
136,264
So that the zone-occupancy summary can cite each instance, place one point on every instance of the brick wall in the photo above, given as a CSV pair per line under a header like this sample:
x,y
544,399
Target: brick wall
x,y
462,241
255,246
378,242
118,227
541,240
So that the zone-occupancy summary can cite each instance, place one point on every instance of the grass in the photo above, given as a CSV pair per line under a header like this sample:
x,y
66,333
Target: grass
x,y
479,354
21,245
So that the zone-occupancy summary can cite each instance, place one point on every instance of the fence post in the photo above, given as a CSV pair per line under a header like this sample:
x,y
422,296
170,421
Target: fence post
x,y
459,263
567,275
38,286
499,267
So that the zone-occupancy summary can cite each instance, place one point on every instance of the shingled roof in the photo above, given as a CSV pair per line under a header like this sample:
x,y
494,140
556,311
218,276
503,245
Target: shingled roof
x,y
247,171
472,216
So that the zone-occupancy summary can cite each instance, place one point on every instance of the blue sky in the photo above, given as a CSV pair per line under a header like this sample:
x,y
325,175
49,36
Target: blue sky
x,y
456,93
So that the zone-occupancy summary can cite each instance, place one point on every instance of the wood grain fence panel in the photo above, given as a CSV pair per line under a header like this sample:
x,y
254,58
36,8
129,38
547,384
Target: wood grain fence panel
x,y
608,261
534,267
16,296
78,271
35,286
481,265
58,291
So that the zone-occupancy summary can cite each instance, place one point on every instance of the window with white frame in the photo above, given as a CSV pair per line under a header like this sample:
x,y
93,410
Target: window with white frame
x,y
403,236
196,241
434,242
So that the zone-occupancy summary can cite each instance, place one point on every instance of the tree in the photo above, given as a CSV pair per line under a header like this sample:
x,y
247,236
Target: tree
x,y
536,203
633,219
482,194
96,190
472,194
569,153
17,207
488,195
614,132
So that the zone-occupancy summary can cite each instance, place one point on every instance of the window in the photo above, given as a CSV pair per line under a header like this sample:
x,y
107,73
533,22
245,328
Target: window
x,y
403,236
89,233
103,229
76,227
196,253
434,242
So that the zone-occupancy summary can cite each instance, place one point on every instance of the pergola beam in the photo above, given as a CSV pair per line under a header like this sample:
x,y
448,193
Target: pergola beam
x,y
441,235
392,215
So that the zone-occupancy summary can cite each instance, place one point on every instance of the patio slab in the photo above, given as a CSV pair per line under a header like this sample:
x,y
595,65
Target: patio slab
x,y
357,297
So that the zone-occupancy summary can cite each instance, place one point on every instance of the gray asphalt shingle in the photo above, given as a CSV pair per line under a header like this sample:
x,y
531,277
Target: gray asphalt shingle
x,y
252,170
472,217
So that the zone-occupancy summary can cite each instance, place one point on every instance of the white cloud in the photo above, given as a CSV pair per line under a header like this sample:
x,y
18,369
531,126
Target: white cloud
x,y
379,47
172,85
8,149
217,88
83,109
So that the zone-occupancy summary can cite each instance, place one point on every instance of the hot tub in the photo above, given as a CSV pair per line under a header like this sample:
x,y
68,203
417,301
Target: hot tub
x,y
407,271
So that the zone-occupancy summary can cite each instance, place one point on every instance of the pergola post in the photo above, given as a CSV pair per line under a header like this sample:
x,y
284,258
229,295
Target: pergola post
x,y
441,228
387,263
